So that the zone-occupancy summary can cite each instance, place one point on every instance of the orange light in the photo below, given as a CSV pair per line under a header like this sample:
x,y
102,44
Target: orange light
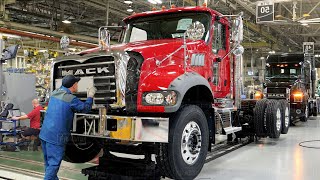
x,y
278,65
258,95
296,65
286,65
282,65
173,6
298,94
154,9
163,8
204,4
297,97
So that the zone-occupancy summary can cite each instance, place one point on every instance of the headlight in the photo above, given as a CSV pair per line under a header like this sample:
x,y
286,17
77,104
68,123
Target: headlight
x,y
258,95
160,98
297,97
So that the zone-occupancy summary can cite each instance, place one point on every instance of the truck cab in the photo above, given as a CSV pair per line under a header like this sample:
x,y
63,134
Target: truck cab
x,y
288,76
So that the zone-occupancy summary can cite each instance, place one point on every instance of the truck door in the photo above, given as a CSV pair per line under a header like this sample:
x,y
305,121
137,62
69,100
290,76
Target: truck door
x,y
220,66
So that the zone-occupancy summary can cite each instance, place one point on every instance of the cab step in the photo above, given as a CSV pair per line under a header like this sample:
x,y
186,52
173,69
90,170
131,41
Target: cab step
x,y
230,130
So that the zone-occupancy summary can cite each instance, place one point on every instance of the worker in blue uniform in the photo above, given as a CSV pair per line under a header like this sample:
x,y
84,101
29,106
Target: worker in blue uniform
x,y
55,131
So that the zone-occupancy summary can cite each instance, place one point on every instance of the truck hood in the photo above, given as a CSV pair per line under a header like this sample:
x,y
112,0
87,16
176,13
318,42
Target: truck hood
x,y
153,48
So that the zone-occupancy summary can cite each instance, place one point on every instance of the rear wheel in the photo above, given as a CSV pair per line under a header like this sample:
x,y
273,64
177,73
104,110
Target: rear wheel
x,y
184,156
273,118
82,149
259,117
285,116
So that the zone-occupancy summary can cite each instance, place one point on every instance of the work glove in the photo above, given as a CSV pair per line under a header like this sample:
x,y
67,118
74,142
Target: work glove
x,y
91,92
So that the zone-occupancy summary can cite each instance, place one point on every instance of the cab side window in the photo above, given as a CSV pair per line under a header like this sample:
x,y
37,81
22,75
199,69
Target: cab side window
x,y
219,39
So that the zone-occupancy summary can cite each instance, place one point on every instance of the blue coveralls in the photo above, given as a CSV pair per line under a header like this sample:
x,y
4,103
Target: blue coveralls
x,y
55,130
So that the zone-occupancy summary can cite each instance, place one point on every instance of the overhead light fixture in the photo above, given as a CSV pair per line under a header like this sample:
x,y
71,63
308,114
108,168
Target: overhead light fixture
x,y
155,1
130,10
127,2
317,55
66,21
158,1
306,15
304,24
9,35
272,52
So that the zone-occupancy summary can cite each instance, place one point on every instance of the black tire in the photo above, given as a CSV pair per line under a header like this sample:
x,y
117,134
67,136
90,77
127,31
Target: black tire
x,y
259,117
82,149
273,118
306,116
170,156
315,111
285,116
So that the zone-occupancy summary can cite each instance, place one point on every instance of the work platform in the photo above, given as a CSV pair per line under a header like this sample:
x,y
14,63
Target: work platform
x,y
30,164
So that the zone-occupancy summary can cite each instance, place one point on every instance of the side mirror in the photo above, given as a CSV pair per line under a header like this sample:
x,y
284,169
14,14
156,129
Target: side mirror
x,y
239,50
10,52
104,38
195,31
313,75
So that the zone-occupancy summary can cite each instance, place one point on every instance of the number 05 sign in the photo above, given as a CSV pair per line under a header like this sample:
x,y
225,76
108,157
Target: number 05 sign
x,y
265,11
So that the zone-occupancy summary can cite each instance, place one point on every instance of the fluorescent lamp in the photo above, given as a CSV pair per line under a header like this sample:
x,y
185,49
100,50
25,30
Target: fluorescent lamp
x,y
127,2
152,1
306,15
130,10
66,21
9,35
304,24
158,1
317,55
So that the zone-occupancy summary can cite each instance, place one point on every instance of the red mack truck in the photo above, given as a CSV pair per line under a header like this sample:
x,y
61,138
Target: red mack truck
x,y
164,93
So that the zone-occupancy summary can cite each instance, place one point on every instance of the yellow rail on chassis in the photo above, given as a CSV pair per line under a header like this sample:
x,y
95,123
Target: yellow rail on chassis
x,y
129,128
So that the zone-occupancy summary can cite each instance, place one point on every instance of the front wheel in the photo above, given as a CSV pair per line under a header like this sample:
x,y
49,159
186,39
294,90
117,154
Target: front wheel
x,y
184,156
315,111
306,114
81,149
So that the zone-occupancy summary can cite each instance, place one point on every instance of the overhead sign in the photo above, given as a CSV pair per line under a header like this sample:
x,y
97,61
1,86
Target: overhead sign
x,y
264,11
308,47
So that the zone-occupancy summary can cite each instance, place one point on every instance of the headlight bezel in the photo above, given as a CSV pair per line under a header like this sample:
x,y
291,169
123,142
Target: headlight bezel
x,y
170,98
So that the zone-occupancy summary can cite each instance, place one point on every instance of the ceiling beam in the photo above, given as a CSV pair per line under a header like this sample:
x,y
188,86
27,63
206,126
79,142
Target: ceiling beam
x,y
23,27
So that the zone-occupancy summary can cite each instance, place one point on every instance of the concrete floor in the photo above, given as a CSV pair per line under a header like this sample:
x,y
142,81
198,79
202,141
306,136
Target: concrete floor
x,y
267,159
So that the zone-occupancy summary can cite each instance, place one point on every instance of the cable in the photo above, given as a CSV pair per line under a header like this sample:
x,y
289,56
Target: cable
x,y
311,147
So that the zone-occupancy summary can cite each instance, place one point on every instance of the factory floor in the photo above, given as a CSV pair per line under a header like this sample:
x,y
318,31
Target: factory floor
x,y
267,159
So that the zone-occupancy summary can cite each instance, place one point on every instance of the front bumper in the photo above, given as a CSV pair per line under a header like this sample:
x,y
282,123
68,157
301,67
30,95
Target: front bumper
x,y
295,108
123,128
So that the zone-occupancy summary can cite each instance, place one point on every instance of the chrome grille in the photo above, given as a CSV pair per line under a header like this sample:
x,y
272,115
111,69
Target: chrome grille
x,y
102,69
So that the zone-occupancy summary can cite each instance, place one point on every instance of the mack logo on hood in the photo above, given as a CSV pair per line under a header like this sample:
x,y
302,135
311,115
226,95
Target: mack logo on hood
x,y
89,71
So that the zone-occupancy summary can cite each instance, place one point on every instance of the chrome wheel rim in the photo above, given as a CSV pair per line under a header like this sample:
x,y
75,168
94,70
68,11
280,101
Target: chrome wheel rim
x,y
287,117
191,143
278,119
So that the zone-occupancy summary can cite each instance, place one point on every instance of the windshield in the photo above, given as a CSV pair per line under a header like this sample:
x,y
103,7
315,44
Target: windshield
x,y
168,26
286,72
